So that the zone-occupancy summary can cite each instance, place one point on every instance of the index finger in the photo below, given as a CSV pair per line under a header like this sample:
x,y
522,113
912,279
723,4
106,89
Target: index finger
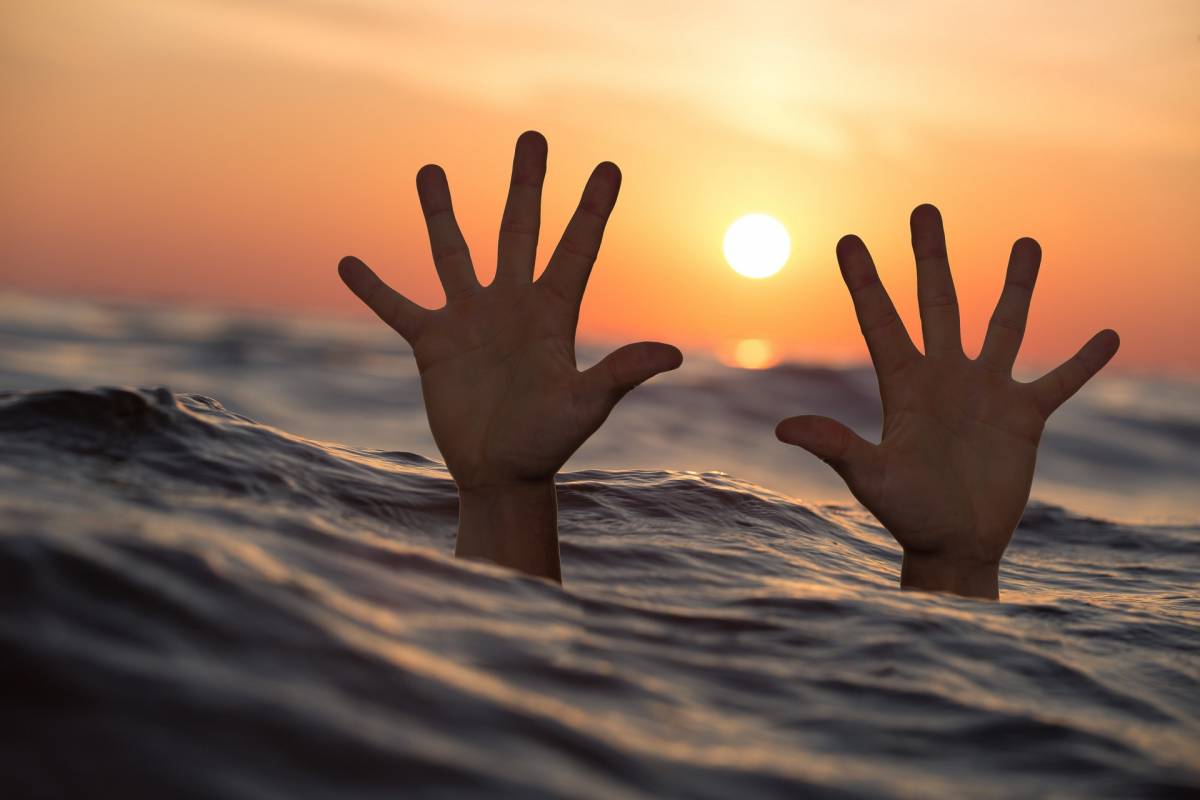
x,y
450,254
572,261
887,338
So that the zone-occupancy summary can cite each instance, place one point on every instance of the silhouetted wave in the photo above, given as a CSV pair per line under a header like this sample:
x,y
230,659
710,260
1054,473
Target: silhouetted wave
x,y
193,604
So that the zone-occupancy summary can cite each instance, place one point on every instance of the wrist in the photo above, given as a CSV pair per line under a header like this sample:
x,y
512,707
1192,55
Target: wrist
x,y
511,523
969,577
504,488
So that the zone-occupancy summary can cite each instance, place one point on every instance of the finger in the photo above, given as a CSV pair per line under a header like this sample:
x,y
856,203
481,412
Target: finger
x,y
884,331
627,367
395,309
569,267
1007,326
450,254
849,454
522,211
1057,386
935,286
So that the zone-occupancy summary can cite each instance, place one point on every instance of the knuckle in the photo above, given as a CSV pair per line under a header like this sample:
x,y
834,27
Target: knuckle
x,y
862,283
994,363
529,179
447,252
1019,287
1014,324
940,301
881,322
372,295
577,249
593,213
439,214
518,227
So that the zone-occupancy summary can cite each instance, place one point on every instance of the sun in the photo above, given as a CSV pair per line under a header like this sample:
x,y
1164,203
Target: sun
x,y
757,246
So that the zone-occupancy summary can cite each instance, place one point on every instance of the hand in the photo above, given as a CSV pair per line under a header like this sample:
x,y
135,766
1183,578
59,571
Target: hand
x,y
505,401
951,476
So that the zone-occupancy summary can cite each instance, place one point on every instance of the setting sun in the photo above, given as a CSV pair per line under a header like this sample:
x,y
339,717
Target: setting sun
x,y
757,246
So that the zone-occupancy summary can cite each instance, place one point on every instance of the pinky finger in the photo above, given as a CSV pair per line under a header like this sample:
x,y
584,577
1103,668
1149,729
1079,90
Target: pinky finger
x,y
395,309
1057,386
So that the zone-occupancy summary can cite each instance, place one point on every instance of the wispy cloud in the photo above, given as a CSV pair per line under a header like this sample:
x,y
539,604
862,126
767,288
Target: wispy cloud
x,y
806,74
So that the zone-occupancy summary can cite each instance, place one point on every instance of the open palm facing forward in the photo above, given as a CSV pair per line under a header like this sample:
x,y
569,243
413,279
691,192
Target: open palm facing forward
x,y
951,475
505,401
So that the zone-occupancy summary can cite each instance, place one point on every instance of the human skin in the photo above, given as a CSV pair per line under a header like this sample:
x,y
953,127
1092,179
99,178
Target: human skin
x,y
506,403
952,472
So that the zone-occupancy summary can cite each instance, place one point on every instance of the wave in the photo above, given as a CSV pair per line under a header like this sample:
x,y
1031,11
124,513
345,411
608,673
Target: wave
x,y
195,604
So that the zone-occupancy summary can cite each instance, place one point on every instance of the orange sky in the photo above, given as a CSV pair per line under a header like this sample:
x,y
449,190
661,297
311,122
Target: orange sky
x,y
230,151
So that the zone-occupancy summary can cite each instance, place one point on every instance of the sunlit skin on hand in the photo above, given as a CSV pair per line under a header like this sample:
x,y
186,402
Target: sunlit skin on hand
x,y
951,476
506,403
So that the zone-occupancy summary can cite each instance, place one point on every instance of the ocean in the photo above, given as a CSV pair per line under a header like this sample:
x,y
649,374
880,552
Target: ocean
x,y
226,571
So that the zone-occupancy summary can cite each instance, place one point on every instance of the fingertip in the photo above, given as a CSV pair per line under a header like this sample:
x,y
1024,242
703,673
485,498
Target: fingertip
x,y
658,357
600,192
788,430
672,356
631,365
1027,245
609,172
533,141
529,160
928,237
1024,263
850,243
347,266
1099,350
429,174
925,214
855,262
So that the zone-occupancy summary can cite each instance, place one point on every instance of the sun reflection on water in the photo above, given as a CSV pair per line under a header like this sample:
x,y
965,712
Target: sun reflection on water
x,y
750,354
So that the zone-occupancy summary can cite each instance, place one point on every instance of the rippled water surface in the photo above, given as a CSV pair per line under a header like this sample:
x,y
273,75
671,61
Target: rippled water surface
x,y
202,595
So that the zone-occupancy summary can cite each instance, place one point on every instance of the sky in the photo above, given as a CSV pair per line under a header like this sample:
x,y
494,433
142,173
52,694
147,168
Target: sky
x,y
229,152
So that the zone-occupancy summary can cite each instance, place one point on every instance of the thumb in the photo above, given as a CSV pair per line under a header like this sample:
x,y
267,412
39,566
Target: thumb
x,y
628,366
828,440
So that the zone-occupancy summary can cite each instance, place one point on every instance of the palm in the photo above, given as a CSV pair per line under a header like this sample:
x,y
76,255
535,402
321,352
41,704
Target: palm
x,y
499,378
952,472
503,395
957,455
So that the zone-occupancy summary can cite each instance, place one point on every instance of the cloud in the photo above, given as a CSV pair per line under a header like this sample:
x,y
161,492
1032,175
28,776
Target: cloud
x,y
810,75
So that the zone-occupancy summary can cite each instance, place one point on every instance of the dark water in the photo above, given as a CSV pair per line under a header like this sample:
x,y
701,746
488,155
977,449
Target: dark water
x,y
194,604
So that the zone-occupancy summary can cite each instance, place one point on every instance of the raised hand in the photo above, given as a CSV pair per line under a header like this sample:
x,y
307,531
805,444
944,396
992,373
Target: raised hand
x,y
951,476
504,398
